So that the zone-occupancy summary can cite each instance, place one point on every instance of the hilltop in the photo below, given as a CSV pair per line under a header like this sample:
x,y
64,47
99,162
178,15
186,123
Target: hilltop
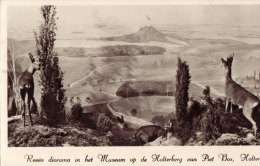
x,y
144,34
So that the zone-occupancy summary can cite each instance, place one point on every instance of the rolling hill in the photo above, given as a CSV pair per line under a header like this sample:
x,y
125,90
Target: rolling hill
x,y
145,34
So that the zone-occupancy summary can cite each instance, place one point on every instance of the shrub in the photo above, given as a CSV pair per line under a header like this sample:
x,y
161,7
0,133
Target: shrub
x,y
159,120
76,112
12,110
195,110
104,123
134,112
209,122
72,101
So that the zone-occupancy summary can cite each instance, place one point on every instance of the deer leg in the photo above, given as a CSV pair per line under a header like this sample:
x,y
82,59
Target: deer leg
x,y
254,125
143,139
231,107
139,141
23,113
20,108
22,93
29,108
226,109
249,117
33,100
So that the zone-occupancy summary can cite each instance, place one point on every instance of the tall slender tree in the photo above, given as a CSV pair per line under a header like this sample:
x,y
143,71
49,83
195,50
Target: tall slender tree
x,y
51,76
182,91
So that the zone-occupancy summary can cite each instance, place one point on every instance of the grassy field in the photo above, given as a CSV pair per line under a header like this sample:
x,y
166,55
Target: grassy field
x,y
100,77
147,106
96,69
109,51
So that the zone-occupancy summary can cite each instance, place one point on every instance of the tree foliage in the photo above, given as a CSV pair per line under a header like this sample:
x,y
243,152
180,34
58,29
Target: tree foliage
x,y
181,101
212,126
51,76
76,110
182,90
104,123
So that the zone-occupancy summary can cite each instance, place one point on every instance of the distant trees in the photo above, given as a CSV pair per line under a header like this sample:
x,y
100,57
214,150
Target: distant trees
x,y
51,76
133,112
76,110
146,88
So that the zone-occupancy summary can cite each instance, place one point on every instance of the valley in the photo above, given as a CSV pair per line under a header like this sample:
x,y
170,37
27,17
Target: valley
x,y
104,71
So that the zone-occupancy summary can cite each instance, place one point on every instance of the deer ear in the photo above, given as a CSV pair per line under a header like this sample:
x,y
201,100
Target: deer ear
x,y
222,60
230,58
31,57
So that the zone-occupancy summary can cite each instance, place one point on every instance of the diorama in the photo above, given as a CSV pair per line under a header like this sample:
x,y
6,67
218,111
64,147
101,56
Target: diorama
x,y
176,75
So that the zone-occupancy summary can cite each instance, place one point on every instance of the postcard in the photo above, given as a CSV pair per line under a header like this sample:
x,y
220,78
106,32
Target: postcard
x,y
130,83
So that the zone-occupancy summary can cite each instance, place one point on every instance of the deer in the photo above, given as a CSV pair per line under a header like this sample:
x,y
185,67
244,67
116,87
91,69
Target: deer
x,y
239,96
150,133
26,85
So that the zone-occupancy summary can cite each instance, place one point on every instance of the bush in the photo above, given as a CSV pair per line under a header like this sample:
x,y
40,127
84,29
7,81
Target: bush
x,y
76,112
134,112
195,110
72,101
210,124
209,116
104,123
203,116
159,120
12,110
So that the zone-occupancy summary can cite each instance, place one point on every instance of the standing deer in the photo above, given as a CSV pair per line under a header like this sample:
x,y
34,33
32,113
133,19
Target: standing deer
x,y
150,133
238,95
26,85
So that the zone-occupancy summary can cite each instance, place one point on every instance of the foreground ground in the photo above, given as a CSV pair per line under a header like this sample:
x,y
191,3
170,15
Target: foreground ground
x,y
67,134
234,130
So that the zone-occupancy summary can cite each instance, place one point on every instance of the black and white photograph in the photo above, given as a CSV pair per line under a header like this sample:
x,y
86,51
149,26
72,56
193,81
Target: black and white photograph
x,y
133,75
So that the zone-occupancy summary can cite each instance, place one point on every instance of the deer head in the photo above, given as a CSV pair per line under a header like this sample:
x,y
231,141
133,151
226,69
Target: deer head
x,y
227,65
35,64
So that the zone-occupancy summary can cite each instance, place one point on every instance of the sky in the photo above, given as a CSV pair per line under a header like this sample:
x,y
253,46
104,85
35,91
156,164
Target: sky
x,y
240,15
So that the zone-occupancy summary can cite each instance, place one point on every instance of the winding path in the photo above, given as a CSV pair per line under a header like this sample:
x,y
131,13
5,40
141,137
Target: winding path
x,y
127,118
213,90
89,74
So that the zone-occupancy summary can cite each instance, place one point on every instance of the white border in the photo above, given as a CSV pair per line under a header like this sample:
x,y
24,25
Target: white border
x,y
15,156
130,2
